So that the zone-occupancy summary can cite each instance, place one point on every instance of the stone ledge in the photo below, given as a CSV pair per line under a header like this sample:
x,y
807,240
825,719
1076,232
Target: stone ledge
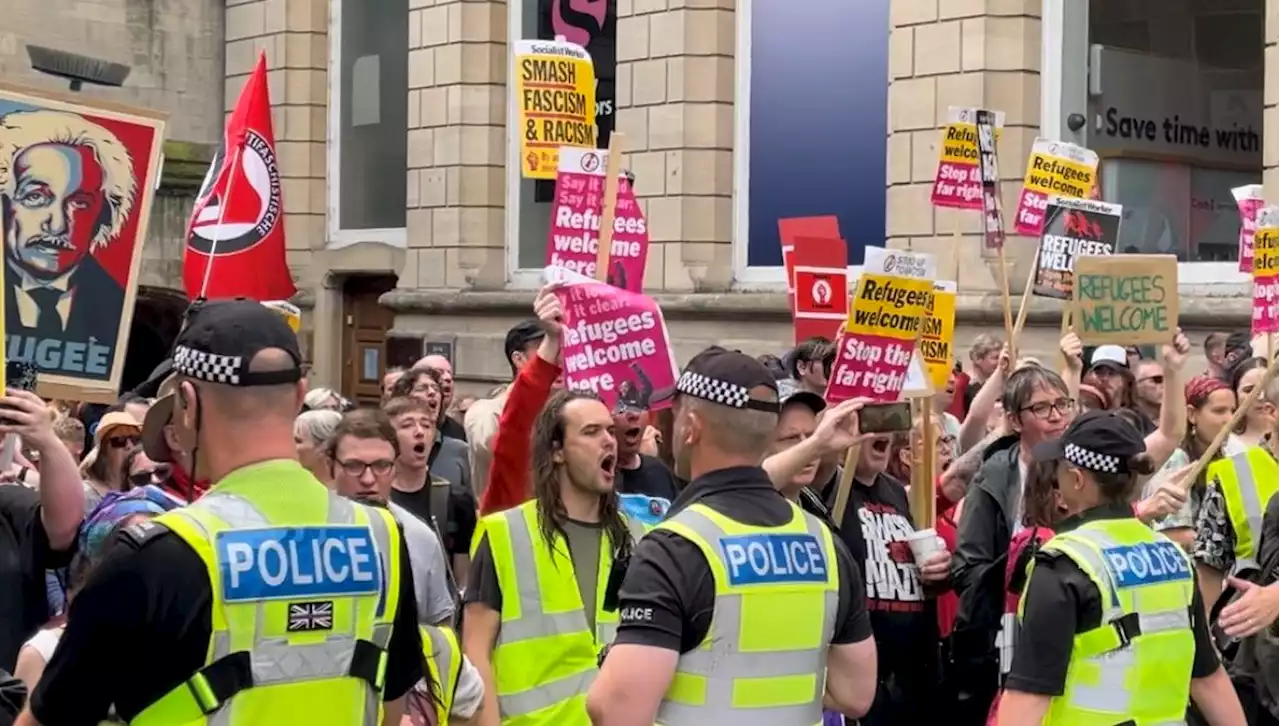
x,y
1228,308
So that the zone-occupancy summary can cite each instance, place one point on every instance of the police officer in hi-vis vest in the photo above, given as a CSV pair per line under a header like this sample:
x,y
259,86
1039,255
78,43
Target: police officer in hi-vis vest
x,y
270,600
1112,630
740,608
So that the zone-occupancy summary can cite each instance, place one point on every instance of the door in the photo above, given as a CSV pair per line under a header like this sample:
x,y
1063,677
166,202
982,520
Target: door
x,y
364,340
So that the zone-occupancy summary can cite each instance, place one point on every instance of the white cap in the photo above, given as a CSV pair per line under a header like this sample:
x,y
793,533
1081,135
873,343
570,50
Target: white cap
x,y
1113,354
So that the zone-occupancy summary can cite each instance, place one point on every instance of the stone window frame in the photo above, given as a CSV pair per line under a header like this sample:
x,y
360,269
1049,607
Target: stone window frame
x,y
336,237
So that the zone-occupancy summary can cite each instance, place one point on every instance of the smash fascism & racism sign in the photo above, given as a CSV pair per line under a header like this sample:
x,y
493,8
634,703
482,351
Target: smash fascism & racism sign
x,y
1073,228
556,98
1126,299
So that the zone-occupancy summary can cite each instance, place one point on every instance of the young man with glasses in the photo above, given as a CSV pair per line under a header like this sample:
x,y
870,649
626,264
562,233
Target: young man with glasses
x,y
363,452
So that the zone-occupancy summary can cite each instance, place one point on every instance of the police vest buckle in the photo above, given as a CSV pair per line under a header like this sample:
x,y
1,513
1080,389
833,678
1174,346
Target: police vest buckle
x,y
1127,628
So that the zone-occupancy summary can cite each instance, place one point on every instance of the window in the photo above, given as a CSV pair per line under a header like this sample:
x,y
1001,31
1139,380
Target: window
x,y
593,25
811,133
368,117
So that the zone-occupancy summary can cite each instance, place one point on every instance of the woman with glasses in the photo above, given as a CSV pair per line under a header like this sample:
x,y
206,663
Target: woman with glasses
x,y
140,471
103,467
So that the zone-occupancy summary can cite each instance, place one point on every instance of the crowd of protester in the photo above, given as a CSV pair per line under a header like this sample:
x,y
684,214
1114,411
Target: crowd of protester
x,y
944,630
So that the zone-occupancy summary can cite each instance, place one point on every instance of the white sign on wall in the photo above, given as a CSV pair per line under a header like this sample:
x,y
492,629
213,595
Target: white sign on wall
x,y
1175,109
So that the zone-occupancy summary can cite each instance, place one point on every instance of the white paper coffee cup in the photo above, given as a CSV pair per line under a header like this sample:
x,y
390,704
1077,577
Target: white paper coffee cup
x,y
923,544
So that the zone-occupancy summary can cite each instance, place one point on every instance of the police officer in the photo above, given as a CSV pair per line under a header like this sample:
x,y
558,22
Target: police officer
x,y
270,600
739,586
1112,630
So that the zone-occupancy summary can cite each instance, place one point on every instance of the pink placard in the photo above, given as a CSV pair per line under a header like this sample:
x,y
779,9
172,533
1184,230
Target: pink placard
x,y
958,186
1249,200
574,235
869,366
615,343
1266,308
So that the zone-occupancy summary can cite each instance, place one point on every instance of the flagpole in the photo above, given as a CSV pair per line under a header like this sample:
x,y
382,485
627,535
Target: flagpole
x,y
222,211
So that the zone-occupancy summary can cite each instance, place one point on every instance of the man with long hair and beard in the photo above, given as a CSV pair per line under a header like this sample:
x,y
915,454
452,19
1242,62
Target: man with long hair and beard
x,y
738,587
536,610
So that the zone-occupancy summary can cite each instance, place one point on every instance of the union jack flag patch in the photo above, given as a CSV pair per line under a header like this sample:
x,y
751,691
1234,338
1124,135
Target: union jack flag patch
x,y
308,616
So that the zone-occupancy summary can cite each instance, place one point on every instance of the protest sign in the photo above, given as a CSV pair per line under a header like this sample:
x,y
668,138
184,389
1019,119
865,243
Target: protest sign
x,y
1055,167
1072,228
989,177
556,102
885,321
792,228
821,301
1266,272
937,334
1126,299
573,239
1249,200
615,343
958,182
918,383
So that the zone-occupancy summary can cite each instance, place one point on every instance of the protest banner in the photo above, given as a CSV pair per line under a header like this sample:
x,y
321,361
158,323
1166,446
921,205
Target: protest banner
x,y
555,101
1073,228
937,334
792,228
1055,168
84,233
1126,299
885,321
1266,273
958,181
615,343
1249,200
993,212
821,275
573,240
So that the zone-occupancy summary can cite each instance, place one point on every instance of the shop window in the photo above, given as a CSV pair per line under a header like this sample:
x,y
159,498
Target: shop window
x,y
368,115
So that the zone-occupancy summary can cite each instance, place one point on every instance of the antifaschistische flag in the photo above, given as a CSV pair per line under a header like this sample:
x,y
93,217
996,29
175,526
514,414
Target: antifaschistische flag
x,y
235,239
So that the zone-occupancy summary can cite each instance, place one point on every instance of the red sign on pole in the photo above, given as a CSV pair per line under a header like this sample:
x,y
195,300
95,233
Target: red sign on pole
x,y
792,228
821,277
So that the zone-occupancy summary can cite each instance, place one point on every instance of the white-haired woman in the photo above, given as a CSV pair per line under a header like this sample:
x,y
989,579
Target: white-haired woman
x,y
323,399
310,432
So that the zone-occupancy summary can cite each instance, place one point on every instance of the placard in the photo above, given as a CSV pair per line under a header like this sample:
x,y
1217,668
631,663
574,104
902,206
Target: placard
x,y
556,103
1054,168
1126,299
821,301
958,181
936,345
1249,200
1266,272
573,237
989,173
1072,228
792,228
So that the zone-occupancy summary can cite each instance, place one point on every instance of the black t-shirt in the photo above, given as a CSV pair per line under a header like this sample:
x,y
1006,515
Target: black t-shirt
x,y
877,522
668,596
1061,601
24,557
142,624
647,491
459,524
452,429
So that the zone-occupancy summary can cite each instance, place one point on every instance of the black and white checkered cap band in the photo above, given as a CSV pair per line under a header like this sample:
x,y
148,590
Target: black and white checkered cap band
x,y
718,391
1091,460
208,367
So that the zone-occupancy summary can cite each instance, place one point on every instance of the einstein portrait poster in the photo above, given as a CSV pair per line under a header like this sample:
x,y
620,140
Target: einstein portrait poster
x,y
77,178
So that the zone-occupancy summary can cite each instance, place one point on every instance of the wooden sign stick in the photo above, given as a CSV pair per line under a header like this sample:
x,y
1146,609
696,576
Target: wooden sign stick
x,y
1009,332
1024,306
1241,410
843,487
617,141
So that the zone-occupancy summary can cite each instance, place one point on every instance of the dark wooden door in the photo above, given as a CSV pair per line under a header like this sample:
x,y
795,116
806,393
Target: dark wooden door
x,y
364,340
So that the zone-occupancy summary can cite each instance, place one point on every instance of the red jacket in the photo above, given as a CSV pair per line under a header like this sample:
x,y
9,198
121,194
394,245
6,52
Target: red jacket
x,y
508,484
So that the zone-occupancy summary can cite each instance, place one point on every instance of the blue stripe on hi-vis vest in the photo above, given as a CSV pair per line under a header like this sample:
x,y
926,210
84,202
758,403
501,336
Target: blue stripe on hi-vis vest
x,y
756,559
1148,563
297,562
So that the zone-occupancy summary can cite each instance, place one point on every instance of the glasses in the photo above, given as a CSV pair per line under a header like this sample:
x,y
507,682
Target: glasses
x,y
122,442
356,468
946,443
1158,380
154,476
1042,410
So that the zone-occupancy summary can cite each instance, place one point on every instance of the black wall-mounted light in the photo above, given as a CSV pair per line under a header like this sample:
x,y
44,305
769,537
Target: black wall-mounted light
x,y
78,69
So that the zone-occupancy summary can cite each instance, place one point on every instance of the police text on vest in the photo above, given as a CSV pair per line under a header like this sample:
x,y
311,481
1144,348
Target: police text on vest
x,y
755,559
297,562
1148,563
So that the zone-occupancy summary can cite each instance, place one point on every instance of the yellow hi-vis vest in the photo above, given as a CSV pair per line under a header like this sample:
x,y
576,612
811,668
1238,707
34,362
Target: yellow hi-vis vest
x,y
1136,666
305,589
545,657
1248,481
444,665
764,659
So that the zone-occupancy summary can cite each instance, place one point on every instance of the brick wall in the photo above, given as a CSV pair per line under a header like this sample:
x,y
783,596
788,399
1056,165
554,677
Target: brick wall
x,y
675,89
942,53
294,35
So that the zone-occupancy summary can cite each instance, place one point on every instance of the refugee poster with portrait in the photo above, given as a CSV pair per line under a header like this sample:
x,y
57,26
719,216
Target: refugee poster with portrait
x,y
1072,228
615,343
77,179
556,103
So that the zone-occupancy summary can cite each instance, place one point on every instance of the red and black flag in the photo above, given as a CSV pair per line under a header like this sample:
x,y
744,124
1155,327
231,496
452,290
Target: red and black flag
x,y
235,239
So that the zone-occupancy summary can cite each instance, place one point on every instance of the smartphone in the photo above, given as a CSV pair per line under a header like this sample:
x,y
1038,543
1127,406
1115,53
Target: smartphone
x,y
884,418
